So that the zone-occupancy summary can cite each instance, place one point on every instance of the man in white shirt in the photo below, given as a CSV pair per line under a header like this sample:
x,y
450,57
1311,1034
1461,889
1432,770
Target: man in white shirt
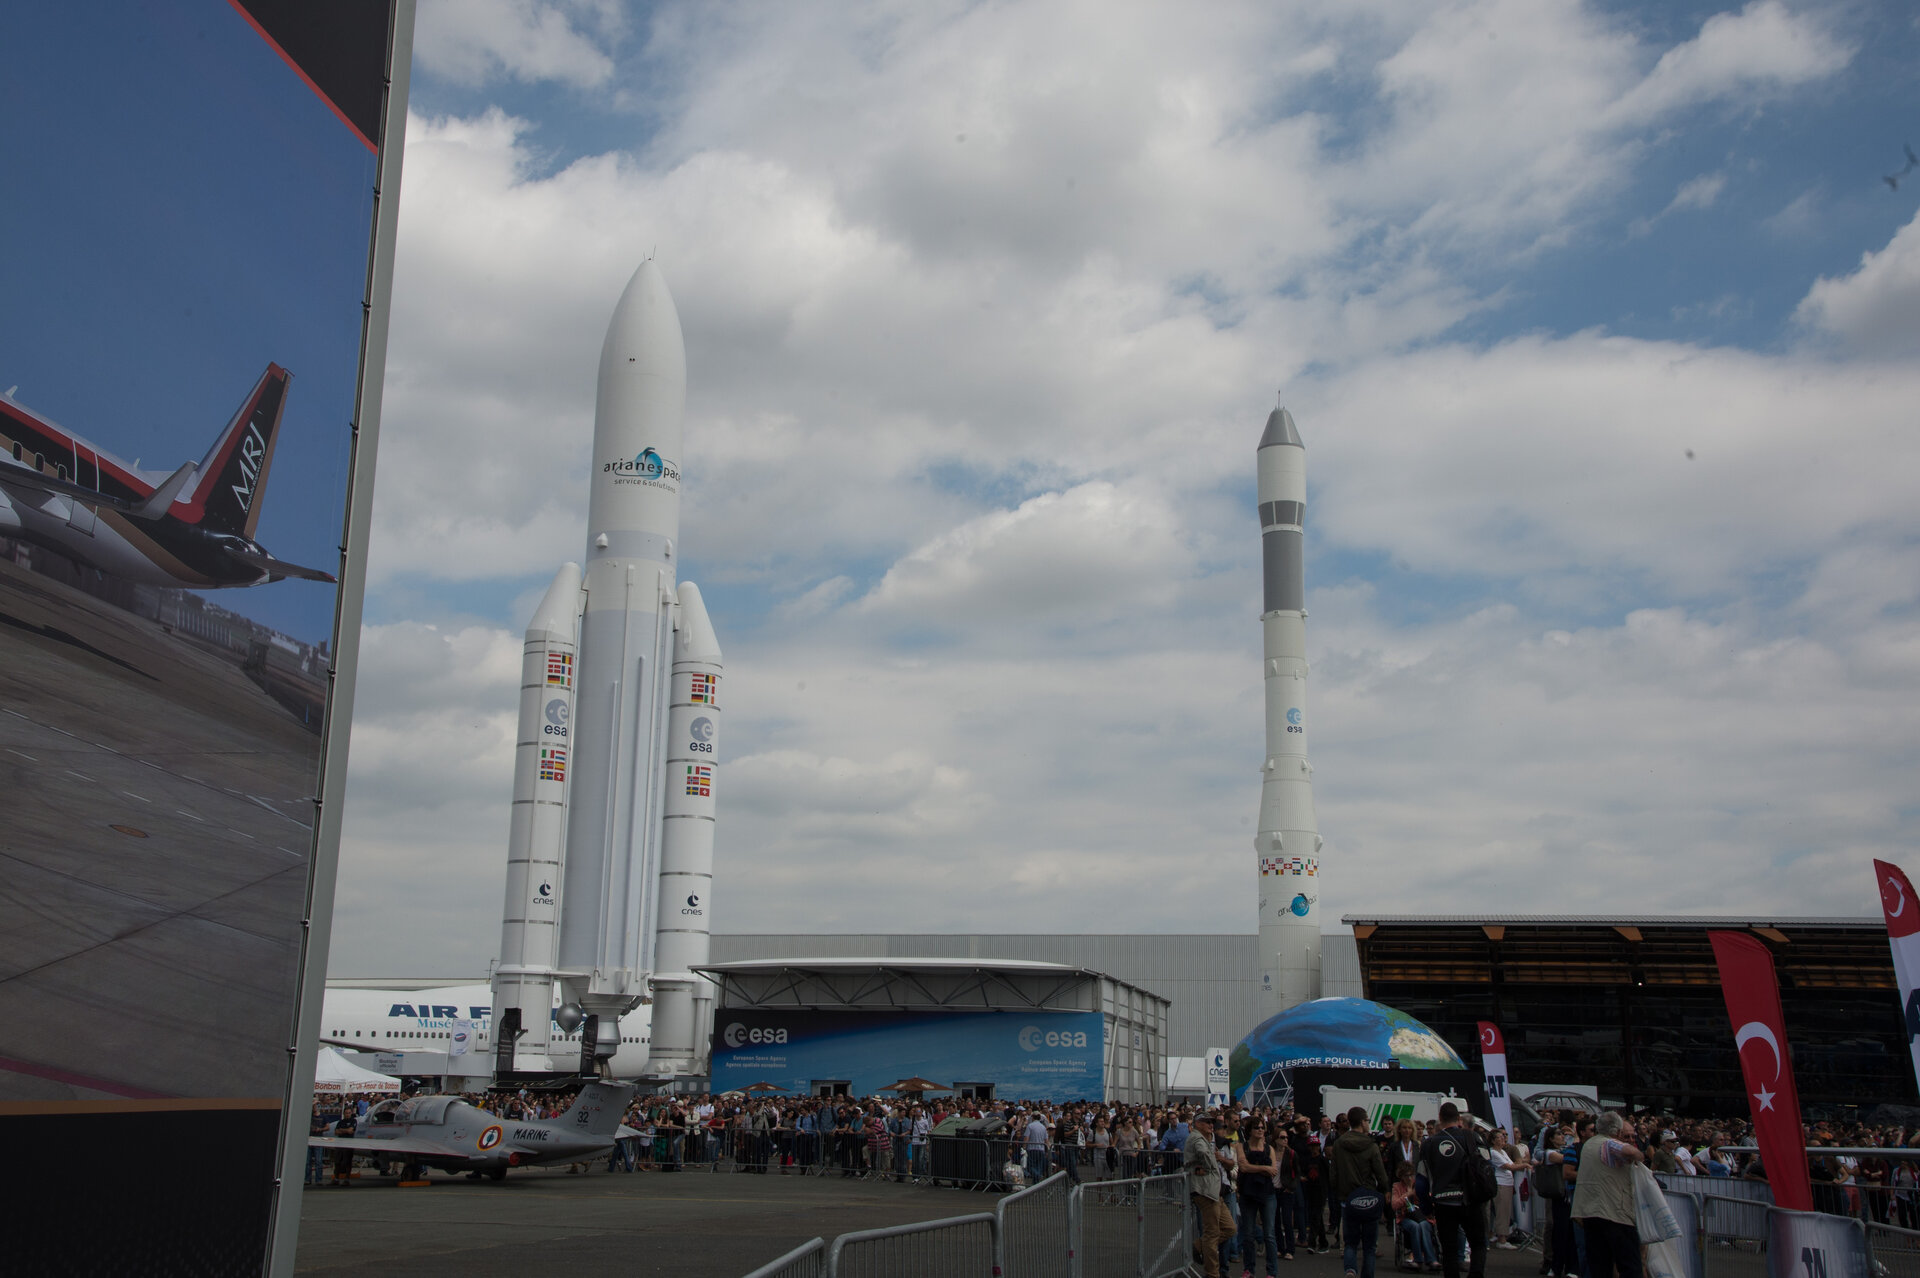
x,y
1036,1143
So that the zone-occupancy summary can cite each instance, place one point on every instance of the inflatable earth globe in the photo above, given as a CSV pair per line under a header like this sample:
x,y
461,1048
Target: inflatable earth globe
x,y
1349,1032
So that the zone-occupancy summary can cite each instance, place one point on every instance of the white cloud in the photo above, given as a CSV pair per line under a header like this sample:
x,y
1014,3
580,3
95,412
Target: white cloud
x,y
1744,58
472,41
1877,308
969,453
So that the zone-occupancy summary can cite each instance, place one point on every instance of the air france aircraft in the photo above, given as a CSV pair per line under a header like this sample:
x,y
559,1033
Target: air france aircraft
x,y
193,527
424,1021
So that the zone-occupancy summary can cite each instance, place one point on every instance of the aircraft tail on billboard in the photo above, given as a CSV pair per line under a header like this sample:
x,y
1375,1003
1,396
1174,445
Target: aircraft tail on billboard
x,y
233,475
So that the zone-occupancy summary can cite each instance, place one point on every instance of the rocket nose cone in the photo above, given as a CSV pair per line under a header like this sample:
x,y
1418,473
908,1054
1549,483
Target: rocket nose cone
x,y
644,337
696,641
1280,430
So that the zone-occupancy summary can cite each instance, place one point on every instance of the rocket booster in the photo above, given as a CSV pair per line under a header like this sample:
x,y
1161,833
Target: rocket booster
x,y
640,732
1288,843
536,840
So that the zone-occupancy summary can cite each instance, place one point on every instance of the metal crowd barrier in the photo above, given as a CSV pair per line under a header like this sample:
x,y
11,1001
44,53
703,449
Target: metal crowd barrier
x,y
1141,1227
1035,1231
808,1260
1056,1229
958,1247
1895,1252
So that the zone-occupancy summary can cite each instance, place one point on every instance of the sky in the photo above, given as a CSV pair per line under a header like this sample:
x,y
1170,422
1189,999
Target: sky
x,y
182,211
1599,323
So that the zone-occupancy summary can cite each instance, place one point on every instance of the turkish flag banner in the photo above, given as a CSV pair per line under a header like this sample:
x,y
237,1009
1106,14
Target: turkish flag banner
x,y
1903,934
1493,1067
1760,1036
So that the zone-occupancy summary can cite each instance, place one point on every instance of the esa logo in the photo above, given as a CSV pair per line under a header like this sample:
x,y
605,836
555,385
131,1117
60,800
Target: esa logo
x,y
738,1034
557,716
1032,1038
1293,719
701,730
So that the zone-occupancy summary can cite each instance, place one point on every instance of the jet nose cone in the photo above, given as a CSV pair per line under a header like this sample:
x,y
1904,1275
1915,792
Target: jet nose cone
x,y
1280,430
644,338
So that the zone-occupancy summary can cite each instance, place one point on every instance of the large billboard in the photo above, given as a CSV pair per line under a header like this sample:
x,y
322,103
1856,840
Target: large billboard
x,y
194,310
1052,1056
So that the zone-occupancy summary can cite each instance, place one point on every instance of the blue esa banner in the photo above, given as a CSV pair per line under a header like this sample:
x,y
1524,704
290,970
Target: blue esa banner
x,y
1052,1056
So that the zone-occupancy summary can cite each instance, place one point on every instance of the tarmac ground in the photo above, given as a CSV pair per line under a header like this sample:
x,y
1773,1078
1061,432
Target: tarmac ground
x,y
698,1224
153,860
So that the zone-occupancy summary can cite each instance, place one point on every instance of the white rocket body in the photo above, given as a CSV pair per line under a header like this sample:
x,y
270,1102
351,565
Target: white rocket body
x,y
536,840
1288,843
682,999
631,796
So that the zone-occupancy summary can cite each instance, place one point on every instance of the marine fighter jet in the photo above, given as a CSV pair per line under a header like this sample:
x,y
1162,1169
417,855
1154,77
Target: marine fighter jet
x,y
449,1133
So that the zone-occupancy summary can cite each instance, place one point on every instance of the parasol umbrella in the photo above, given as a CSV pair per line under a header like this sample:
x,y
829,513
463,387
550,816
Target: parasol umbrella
x,y
915,1086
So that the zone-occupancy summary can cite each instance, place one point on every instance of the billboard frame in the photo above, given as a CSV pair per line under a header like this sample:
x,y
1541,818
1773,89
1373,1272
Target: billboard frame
x,y
324,862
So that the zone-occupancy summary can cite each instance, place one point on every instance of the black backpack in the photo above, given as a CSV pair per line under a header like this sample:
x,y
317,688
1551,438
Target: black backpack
x,y
1482,1184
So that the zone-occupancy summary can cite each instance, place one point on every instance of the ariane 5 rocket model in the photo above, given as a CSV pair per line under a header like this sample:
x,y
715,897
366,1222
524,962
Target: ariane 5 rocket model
x,y
1288,841
610,851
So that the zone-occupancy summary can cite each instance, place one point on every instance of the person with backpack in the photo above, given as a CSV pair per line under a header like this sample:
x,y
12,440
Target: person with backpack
x,y
1550,1187
1360,1189
1460,1184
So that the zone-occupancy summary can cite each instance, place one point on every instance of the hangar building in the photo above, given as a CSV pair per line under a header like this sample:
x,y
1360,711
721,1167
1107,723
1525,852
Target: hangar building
x,y
1633,1004
986,1027
1212,980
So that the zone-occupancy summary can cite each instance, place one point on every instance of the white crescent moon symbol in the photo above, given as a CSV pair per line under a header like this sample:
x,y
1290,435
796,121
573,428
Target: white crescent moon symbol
x,y
1755,1029
1899,892
1486,1037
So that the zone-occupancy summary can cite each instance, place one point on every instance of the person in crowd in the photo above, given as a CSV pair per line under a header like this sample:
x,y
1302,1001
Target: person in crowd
x,y
1419,1244
1558,1259
1509,1163
1306,1159
1444,1162
1361,1189
1127,1144
1258,1185
316,1156
1405,1147
1034,1141
1205,1187
1603,1201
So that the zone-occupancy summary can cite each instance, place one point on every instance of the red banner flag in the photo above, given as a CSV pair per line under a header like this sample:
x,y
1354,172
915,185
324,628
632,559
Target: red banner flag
x,y
1902,909
1760,1036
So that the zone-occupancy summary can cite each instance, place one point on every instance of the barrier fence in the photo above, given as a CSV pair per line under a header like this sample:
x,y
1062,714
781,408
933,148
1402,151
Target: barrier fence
x,y
1140,1228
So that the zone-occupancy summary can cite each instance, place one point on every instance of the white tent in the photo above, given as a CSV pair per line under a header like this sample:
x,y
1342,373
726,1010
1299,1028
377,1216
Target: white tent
x,y
333,1072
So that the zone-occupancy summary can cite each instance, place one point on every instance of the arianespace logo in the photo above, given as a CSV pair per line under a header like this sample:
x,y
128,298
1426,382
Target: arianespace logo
x,y
645,467
1033,1038
738,1035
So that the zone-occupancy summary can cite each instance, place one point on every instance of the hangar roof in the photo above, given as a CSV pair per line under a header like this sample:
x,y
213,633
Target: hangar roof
x,y
956,984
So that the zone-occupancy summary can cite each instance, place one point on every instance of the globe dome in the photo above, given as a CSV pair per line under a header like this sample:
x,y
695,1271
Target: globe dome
x,y
1350,1032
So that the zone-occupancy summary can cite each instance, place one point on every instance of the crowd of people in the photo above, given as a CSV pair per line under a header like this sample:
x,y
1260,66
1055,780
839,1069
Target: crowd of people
x,y
1267,1183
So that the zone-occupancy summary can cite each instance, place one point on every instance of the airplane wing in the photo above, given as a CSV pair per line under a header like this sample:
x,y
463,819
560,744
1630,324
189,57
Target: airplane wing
x,y
278,567
155,506
396,1148
14,473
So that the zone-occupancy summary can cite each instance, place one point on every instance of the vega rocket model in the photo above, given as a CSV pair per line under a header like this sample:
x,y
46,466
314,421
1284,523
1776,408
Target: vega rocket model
x,y
610,849
1288,839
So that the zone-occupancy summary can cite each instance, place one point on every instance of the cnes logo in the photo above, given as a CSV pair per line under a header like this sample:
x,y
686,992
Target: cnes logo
x,y
737,1035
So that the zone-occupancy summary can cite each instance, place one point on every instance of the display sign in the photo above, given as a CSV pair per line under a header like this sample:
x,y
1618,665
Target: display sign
x,y
195,317
1219,1076
1052,1056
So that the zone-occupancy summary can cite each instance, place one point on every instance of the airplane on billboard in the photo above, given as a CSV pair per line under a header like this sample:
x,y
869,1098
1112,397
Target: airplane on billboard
x,y
425,1020
193,527
448,1133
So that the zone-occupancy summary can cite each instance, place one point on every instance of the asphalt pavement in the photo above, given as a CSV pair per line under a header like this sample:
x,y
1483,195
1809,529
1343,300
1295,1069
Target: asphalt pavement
x,y
700,1224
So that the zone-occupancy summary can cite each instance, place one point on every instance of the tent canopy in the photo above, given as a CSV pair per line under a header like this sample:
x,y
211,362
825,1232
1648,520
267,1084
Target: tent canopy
x,y
333,1072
